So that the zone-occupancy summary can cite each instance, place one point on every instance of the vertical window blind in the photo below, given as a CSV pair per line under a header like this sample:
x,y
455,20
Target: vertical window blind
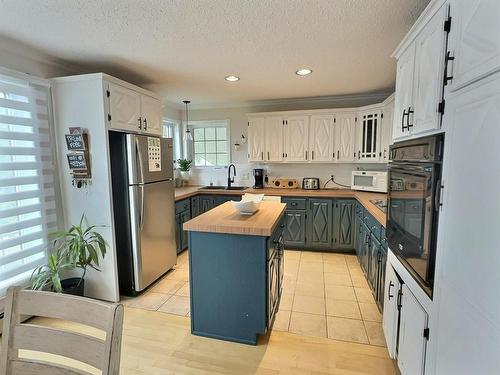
x,y
27,196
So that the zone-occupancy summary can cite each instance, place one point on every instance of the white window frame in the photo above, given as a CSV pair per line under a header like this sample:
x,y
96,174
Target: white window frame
x,y
210,124
176,136
55,222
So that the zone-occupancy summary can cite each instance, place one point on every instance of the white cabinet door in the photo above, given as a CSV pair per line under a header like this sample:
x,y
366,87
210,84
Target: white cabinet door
x,y
475,34
404,92
469,318
296,138
387,126
390,314
369,136
124,109
321,137
412,343
274,138
151,115
430,47
345,137
256,139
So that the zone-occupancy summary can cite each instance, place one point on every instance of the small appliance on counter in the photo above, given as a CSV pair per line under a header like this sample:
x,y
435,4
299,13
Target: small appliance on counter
x,y
258,174
375,181
285,183
310,183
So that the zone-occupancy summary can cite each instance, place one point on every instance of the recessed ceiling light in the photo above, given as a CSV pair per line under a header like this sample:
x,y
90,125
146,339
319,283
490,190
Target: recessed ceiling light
x,y
232,78
303,72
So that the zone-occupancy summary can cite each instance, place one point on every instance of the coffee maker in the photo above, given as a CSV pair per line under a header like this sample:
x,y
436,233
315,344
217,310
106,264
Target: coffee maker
x,y
258,174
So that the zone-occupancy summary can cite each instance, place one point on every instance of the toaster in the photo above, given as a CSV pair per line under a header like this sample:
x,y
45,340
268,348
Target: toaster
x,y
310,183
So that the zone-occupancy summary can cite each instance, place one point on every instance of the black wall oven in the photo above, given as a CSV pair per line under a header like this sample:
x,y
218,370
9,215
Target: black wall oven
x,y
413,205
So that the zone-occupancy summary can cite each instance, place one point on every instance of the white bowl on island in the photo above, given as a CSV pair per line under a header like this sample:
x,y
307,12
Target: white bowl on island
x,y
246,207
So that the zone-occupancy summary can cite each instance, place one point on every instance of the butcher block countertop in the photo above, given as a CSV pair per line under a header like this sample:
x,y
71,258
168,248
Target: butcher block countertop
x,y
226,219
361,196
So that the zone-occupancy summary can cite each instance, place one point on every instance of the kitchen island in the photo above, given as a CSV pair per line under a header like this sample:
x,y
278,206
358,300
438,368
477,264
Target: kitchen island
x,y
236,270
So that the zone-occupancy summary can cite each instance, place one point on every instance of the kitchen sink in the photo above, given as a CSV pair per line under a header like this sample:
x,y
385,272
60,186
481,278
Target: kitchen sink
x,y
218,187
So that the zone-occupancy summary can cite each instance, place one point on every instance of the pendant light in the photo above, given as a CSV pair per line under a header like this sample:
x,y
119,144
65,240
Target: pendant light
x,y
187,136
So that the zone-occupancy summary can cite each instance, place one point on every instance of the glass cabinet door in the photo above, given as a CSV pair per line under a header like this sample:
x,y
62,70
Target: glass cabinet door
x,y
369,136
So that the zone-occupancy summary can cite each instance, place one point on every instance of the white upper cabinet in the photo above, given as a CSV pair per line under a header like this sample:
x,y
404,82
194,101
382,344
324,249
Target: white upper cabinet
x,y
296,138
256,139
420,77
386,136
274,138
151,115
345,137
124,108
474,40
430,49
132,111
322,137
404,92
369,131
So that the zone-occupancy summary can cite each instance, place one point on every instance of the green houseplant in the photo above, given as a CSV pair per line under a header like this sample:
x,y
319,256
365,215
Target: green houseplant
x,y
79,247
184,167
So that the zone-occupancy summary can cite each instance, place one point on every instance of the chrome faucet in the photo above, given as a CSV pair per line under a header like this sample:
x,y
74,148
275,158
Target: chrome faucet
x,y
229,179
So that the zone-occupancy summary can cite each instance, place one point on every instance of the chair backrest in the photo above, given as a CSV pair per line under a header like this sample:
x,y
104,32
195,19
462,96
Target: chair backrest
x,y
101,354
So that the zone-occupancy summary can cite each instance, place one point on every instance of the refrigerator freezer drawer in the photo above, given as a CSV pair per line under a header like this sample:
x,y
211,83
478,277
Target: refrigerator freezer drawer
x,y
152,218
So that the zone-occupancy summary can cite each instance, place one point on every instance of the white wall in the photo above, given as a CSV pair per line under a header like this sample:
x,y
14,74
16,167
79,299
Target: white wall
x,y
238,126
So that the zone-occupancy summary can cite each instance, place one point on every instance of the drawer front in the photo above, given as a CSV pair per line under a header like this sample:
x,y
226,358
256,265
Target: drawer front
x,y
182,206
295,203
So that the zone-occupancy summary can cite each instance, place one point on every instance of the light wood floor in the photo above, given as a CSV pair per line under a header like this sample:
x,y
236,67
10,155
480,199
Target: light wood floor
x,y
157,343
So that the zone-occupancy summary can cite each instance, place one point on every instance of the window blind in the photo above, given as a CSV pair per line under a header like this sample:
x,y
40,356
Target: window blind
x,y
27,196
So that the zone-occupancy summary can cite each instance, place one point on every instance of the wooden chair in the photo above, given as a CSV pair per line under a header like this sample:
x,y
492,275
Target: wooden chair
x,y
102,354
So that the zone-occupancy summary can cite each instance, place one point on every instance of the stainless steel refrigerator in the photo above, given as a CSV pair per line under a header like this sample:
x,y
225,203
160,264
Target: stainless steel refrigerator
x,y
143,208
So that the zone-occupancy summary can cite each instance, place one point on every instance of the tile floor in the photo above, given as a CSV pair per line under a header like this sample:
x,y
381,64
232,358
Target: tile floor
x,y
327,295
324,295
170,294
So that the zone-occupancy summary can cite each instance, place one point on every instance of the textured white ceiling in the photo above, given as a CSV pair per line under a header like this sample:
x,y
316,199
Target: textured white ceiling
x,y
185,48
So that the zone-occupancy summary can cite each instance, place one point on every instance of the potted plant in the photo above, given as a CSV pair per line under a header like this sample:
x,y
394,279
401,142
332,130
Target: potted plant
x,y
79,247
184,167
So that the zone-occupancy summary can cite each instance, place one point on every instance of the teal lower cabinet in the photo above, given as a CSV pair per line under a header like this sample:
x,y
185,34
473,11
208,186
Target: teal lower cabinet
x,y
205,203
295,228
319,224
373,259
344,231
182,214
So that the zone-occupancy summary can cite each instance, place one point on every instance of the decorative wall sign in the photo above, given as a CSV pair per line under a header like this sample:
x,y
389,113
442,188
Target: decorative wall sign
x,y
77,161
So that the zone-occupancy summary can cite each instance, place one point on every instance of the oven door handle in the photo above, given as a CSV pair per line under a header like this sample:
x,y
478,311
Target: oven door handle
x,y
437,196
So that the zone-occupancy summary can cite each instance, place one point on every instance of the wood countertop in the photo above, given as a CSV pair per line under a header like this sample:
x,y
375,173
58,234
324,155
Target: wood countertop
x,y
361,196
226,219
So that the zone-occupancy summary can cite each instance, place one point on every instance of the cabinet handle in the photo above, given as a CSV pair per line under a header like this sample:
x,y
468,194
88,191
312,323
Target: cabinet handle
x,y
312,155
338,154
403,120
389,295
446,61
408,125
268,155
145,124
306,155
358,154
140,123
262,155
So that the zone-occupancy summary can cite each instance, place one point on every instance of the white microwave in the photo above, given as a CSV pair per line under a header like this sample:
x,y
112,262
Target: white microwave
x,y
369,181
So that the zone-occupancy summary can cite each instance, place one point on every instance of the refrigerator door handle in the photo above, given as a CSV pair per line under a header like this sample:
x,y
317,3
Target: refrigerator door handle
x,y
141,212
139,159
